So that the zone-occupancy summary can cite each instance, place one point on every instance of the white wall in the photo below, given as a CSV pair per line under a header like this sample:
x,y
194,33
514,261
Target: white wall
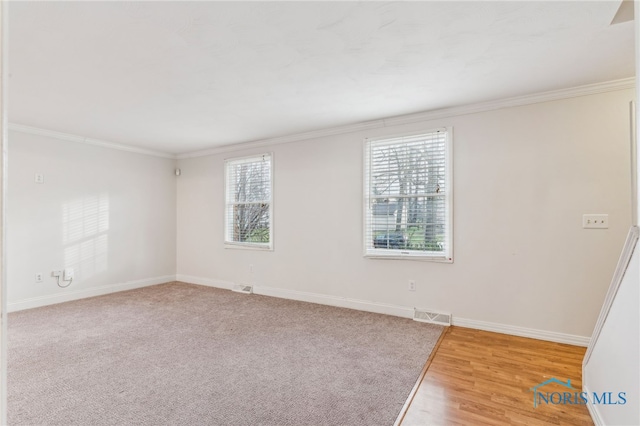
x,y
523,178
108,214
611,363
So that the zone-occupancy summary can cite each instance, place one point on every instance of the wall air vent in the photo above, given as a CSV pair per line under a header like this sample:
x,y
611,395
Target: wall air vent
x,y
431,317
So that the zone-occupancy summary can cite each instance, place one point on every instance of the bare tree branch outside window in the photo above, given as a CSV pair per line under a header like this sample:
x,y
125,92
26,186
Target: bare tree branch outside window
x,y
249,200
407,190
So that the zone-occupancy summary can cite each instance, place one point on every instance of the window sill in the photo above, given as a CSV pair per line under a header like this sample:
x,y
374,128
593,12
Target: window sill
x,y
419,257
241,246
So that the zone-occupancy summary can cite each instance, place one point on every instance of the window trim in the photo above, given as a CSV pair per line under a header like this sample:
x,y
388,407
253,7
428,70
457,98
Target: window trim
x,y
245,245
374,253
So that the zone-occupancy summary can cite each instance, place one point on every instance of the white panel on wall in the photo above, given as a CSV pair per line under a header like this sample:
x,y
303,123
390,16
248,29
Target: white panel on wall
x,y
107,214
612,361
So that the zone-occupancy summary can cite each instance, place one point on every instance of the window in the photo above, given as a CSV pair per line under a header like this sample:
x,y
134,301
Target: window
x,y
408,198
248,202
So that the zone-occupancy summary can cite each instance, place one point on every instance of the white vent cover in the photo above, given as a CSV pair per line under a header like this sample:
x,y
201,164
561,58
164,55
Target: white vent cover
x,y
243,288
431,317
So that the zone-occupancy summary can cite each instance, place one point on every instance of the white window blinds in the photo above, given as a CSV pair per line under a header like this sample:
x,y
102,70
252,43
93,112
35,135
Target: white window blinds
x,y
408,196
248,201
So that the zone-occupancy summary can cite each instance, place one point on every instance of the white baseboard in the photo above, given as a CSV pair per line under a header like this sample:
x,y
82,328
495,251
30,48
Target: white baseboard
x,y
323,299
388,309
208,282
531,333
342,302
67,296
593,411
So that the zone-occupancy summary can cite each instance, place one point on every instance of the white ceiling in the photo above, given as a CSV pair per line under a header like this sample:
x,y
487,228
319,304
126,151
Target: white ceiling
x,y
180,76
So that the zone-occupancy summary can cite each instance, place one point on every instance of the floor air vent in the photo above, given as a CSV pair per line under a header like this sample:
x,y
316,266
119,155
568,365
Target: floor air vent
x,y
243,288
432,317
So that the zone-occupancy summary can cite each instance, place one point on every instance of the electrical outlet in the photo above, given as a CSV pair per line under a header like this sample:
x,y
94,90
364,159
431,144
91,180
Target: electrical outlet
x,y
39,178
56,274
412,285
39,277
68,274
595,221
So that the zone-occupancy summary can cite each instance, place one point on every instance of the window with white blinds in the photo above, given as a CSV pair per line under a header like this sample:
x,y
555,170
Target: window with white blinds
x,y
248,189
408,198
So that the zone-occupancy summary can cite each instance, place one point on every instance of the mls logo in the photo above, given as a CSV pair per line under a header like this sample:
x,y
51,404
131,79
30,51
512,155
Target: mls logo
x,y
575,397
536,393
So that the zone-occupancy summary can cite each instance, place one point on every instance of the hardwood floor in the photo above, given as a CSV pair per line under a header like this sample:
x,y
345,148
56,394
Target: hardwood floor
x,y
478,377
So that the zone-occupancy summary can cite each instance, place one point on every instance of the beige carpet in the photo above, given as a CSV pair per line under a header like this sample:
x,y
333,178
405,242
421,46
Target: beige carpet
x,y
181,354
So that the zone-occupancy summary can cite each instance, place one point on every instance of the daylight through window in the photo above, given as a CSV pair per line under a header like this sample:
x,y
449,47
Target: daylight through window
x,y
408,196
248,201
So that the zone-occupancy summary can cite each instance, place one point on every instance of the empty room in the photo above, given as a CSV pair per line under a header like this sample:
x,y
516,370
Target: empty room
x,y
319,213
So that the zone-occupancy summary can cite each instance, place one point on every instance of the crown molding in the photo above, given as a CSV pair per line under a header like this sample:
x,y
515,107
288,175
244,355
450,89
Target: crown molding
x,y
296,137
590,89
554,95
88,141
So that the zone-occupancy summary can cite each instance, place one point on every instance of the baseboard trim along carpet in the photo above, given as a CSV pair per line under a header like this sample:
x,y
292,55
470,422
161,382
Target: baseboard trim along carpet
x,y
208,282
340,302
389,309
69,294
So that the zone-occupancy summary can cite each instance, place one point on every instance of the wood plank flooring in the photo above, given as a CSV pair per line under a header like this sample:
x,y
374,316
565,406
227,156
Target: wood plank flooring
x,y
482,378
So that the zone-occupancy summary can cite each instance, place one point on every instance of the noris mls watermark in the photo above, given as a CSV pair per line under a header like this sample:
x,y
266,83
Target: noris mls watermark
x,y
542,396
